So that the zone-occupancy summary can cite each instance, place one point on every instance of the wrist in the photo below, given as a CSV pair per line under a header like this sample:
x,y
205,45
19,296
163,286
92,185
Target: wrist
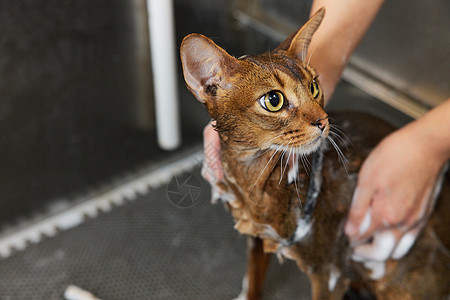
x,y
429,140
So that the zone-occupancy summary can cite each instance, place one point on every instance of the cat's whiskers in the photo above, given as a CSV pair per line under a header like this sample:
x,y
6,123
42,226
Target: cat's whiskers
x,y
261,152
339,139
275,152
341,155
344,140
302,151
337,133
308,147
287,160
298,194
304,159
263,149
268,143
295,151
258,151
281,161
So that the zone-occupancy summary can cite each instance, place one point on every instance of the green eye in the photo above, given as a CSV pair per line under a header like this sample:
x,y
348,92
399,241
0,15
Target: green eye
x,y
272,101
314,88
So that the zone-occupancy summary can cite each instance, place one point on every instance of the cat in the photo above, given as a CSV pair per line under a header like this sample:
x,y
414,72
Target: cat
x,y
269,115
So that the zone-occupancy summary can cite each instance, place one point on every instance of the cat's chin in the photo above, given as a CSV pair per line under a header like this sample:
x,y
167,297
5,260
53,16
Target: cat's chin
x,y
310,147
303,149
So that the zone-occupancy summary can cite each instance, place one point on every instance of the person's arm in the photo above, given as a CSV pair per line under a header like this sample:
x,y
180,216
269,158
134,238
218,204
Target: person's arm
x,y
394,194
344,25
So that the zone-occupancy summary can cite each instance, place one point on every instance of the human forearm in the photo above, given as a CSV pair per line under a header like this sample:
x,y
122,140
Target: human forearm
x,y
344,25
432,132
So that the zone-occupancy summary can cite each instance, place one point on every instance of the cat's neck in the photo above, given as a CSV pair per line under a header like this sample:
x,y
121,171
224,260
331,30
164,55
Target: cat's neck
x,y
259,179
251,167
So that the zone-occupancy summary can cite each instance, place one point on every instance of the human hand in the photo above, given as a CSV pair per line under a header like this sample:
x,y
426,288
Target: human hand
x,y
394,196
212,168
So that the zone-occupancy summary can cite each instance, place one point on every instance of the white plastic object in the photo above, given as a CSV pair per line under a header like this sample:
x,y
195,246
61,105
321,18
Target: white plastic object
x,y
73,292
163,53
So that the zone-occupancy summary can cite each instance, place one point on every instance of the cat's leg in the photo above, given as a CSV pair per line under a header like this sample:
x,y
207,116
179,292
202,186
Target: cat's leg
x,y
256,269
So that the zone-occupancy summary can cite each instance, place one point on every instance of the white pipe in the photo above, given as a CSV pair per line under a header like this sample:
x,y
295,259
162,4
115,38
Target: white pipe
x,y
162,49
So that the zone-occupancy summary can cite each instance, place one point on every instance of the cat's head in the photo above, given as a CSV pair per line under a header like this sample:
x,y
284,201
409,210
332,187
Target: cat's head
x,y
263,101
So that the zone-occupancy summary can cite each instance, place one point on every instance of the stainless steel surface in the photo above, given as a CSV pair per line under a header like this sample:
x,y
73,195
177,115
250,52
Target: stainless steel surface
x,y
403,59
388,94
408,47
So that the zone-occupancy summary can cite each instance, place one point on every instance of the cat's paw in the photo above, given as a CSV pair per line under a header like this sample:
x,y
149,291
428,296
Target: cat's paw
x,y
244,292
242,296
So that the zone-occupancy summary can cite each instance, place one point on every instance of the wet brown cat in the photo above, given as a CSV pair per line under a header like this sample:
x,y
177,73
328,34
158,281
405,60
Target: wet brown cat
x,y
269,114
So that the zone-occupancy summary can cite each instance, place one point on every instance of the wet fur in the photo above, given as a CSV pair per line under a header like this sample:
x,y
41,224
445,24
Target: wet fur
x,y
267,208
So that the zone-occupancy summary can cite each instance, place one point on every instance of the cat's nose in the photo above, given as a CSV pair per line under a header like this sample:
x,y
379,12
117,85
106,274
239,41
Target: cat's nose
x,y
321,123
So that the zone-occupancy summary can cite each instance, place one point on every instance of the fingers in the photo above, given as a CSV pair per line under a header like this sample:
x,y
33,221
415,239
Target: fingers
x,y
212,167
380,232
380,236
392,229
360,217
371,219
390,243
380,248
406,243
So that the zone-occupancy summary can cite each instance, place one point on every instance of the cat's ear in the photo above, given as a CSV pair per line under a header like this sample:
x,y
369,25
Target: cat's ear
x,y
206,66
298,42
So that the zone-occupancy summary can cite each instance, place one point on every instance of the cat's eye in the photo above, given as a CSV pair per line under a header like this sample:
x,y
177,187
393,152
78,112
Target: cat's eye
x,y
272,101
314,88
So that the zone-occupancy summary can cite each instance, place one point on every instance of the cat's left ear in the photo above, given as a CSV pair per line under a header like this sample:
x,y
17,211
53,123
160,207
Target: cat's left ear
x,y
206,66
297,43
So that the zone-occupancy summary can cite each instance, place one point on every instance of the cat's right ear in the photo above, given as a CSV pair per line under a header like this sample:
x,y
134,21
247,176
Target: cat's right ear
x,y
297,43
206,66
